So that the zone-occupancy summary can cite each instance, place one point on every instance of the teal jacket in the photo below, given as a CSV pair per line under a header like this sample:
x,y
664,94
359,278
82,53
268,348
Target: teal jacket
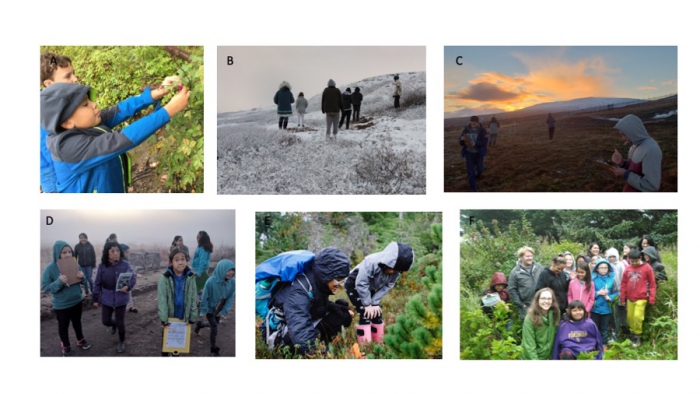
x,y
166,297
200,261
63,296
218,288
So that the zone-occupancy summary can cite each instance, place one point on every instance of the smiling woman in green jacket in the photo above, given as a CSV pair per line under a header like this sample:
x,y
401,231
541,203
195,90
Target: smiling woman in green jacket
x,y
540,326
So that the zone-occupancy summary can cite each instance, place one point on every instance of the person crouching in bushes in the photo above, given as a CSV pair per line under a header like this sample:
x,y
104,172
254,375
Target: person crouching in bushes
x,y
177,291
66,300
217,300
577,334
540,326
498,286
113,296
370,281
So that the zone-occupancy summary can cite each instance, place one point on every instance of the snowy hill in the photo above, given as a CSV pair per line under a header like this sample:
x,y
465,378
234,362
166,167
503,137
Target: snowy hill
x,y
384,153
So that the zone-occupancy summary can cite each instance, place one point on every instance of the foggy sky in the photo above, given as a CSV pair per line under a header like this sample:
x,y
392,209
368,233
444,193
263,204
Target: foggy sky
x,y
255,76
139,227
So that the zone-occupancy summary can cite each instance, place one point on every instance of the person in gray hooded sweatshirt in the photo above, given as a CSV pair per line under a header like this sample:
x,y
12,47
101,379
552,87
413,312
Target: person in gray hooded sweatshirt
x,y
642,169
331,105
301,106
369,282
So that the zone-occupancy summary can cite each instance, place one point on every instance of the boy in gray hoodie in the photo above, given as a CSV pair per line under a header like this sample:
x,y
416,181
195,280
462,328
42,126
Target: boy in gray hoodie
x,y
642,169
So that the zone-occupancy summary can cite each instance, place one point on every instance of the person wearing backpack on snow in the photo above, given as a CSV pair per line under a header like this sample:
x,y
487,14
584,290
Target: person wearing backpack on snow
x,y
304,305
369,282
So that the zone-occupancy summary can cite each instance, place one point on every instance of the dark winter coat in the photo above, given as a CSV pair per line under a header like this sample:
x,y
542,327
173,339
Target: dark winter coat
x,y
357,97
105,290
85,253
305,300
480,138
331,101
558,283
284,99
347,101
521,284
659,269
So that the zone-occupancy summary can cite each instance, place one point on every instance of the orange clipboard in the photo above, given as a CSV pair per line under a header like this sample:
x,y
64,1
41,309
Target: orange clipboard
x,y
176,336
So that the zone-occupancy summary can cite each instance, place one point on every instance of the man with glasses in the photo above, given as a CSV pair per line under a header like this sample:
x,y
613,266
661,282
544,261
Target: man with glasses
x,y
304,304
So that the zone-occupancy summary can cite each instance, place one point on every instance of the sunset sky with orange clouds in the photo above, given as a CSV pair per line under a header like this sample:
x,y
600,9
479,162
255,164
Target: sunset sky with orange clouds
x,y
502,79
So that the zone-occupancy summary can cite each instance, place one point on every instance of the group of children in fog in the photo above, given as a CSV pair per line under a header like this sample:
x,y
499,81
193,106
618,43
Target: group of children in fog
x,y
185,293
579,305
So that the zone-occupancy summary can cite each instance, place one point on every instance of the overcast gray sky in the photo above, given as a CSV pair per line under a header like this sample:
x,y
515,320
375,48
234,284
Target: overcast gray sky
x,y
256,73
139,227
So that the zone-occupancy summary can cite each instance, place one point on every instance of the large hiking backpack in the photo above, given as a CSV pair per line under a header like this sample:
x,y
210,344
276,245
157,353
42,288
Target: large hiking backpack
x,y
279,270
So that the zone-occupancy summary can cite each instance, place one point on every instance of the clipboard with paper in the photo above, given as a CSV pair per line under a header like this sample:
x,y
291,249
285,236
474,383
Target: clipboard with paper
x,y
176,336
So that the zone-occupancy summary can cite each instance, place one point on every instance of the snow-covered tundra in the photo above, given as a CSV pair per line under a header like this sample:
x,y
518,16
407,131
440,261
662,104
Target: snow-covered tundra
x,y
383,153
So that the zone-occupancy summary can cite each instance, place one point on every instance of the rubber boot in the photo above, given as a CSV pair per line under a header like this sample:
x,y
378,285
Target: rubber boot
x,y
363,333
378,332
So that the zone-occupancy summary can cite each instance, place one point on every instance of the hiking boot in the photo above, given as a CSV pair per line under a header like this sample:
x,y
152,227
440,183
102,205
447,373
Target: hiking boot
x,y
121,347
66,351
215,352
84,344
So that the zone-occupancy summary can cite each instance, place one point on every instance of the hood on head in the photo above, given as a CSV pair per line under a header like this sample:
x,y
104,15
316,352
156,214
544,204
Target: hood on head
x,y
604,261
612,252
498,278
633,128
357,90
331,263
222,268
331,83
651,252
58,247
285,84
396,255
58,102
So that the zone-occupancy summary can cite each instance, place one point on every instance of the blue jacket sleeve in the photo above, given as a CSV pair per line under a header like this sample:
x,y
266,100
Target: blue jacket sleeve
x,y
229,300
50,283
82,152
206,294
296,312
126,109
48,173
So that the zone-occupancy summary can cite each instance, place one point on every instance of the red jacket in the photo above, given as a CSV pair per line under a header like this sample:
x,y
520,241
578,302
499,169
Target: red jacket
x,y
638,283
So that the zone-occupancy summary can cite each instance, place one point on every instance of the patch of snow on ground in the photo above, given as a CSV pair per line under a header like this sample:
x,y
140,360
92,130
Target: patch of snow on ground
x,y
386,157
666,115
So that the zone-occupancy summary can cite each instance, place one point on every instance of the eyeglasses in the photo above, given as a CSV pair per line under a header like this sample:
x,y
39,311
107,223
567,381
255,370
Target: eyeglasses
x,y
545,298
339,283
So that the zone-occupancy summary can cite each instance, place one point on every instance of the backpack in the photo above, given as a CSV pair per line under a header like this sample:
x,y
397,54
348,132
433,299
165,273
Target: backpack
x,y
278,271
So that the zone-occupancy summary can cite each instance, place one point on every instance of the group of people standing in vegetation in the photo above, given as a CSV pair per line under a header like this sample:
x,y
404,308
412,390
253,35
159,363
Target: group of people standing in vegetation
x,y
580,305
339,107
185,293
298,309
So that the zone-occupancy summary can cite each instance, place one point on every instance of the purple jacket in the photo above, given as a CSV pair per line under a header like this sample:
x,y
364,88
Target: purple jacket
x,y
106,280
580,336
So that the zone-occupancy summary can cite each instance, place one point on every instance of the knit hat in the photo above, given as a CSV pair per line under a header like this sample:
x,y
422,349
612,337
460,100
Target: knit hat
x,y
58,102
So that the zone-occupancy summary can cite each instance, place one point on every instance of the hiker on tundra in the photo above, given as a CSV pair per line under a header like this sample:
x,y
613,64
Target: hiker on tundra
x,y
369,282
356,102
493,130
304,302
398,91
551,122
642,169
331,104
284,99
347,108
301,106
474,140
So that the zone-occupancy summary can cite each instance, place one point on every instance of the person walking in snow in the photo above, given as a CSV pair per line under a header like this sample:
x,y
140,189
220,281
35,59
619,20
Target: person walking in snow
x,y
284,100
347,109
331,104
356,102
398,91
301,106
